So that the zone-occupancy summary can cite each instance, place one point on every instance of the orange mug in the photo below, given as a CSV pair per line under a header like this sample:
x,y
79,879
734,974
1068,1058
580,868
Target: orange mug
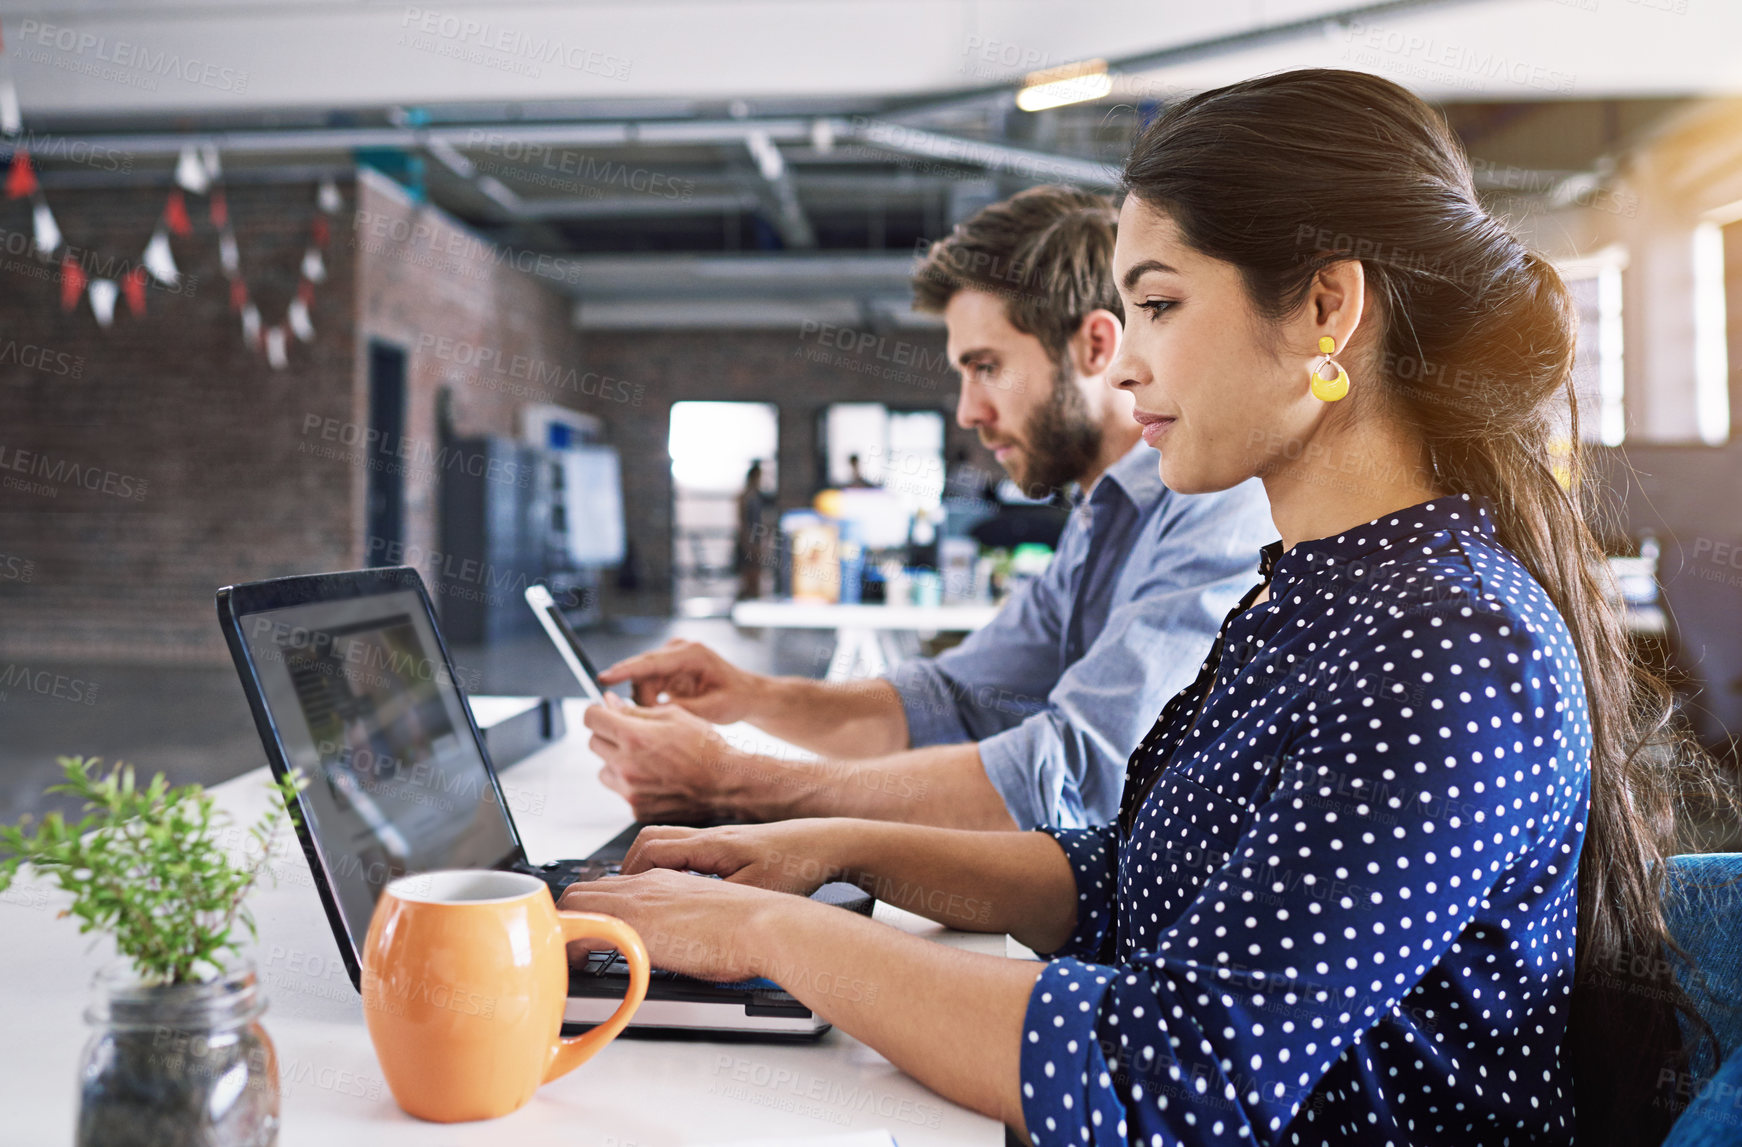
x,y
465,976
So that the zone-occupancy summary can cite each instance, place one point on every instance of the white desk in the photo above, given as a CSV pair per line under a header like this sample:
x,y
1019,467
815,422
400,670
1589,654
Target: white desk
x,y
634,1093
863,633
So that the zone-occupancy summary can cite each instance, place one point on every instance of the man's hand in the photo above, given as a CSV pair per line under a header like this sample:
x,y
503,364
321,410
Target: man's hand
x,y
667,763
690,674
789,856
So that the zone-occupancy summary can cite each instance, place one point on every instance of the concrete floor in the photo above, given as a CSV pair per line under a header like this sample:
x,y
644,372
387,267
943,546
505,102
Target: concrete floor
x,y
193,723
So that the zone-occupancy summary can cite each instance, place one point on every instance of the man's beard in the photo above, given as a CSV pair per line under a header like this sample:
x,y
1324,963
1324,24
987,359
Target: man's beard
x,y
1061,441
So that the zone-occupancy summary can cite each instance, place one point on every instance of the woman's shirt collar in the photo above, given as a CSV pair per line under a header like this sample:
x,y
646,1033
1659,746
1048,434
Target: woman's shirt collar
x,y
1466,513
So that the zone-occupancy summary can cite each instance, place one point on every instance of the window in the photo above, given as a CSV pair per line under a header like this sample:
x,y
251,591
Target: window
x,y
1595,283
1711,356
712,445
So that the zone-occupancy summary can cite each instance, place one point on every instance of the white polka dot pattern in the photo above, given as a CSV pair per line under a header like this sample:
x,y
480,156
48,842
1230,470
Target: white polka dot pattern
x,y
1339,906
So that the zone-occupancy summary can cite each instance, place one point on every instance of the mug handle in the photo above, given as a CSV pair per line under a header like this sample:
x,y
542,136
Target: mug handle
x,y
568,1054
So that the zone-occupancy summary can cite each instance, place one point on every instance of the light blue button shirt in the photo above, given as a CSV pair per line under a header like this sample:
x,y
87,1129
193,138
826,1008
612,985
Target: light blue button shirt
x,y
1063,683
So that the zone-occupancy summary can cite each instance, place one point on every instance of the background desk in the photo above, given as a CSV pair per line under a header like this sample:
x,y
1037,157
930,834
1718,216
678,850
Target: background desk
x,y
638,1092
865,635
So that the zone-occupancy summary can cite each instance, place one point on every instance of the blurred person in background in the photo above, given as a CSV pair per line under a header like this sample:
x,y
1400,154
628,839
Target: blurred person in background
x,y
752,541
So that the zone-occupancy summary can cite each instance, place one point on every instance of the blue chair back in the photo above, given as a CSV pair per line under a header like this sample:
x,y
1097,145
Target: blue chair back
x,y
1703,904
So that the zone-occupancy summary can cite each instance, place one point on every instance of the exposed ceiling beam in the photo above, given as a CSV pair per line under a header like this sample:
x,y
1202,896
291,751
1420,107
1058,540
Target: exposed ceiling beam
x,y
1040,166
786,211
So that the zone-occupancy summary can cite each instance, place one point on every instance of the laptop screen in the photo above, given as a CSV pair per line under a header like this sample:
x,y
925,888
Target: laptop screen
x,y
365,704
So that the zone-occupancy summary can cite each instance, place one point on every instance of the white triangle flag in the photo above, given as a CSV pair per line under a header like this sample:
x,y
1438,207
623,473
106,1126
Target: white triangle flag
x,y
47,232
275,348
228,254
11,119
250,325
209,158
103,293
328,197
313,268
299,320
190,173
159,261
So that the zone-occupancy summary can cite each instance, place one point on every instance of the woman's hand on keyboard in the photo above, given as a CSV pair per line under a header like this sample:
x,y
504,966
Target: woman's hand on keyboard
x,y
790,855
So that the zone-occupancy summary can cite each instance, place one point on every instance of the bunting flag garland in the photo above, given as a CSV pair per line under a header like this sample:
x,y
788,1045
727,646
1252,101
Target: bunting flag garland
x,y
275,355
175,213
11,119
72,283
103,292
229,255
198,171
21,179
300,325
133,286
190,173
159,261
313,269
47,232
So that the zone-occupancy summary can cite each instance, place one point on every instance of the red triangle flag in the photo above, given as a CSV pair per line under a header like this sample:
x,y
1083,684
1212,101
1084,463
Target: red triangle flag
x,y
238,294
133,286
72,283
175,213
319,231
220,209
21,180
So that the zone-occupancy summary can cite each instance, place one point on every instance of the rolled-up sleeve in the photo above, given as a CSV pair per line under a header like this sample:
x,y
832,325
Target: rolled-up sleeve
x,y
1001,673
1065,766
1093,854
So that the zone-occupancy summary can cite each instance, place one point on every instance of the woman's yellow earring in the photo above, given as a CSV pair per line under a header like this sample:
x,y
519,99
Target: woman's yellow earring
x,y
1329,389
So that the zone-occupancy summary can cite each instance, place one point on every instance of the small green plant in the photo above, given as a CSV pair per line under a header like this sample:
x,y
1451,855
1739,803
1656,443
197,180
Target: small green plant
x,y
149,866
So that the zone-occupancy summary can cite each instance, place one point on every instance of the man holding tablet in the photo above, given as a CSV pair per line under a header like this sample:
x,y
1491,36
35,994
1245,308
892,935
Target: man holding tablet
x,y
1030,720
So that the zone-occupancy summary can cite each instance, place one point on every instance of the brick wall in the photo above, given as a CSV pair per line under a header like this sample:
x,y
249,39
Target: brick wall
x,y
172,409
219,469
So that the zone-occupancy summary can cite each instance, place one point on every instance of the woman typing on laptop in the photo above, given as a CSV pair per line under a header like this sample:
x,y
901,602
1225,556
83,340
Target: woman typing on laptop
x,y
1340,900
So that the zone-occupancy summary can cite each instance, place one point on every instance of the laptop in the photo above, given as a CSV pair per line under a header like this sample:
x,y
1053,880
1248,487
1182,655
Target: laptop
x,y
350,681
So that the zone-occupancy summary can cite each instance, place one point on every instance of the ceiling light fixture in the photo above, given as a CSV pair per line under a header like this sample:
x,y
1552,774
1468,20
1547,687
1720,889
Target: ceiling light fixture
x,y
1067,84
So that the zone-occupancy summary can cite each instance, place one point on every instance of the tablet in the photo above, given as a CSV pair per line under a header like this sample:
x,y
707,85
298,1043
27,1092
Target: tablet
x,y
567,642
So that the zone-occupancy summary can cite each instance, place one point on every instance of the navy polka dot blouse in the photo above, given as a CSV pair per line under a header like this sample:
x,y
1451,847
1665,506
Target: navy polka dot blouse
x,y
1338,906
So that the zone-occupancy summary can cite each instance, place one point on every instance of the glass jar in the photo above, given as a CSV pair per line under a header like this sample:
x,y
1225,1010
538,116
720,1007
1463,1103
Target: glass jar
x,y
178,1063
